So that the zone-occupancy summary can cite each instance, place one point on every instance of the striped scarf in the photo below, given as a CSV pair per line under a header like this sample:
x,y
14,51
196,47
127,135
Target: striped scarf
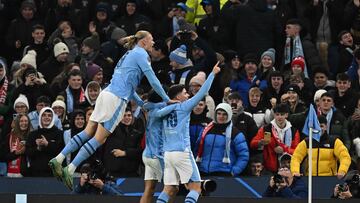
x,y
3,91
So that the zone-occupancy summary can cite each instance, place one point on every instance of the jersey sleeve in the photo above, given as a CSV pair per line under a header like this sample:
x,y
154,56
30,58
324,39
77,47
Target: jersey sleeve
x,y
191,103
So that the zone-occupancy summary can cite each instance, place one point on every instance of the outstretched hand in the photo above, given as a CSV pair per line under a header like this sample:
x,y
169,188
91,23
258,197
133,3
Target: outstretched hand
x,y
216,68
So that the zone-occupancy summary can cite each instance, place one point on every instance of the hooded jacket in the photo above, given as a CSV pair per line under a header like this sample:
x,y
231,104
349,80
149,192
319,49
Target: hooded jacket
x,y
326,154
39,157
212,159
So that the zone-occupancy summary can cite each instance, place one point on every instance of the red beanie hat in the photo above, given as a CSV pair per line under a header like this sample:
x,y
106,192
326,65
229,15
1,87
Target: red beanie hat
x,y
299,61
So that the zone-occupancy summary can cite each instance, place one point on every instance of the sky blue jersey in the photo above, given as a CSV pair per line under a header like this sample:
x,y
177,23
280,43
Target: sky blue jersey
x,y
128,73
154,139
176,123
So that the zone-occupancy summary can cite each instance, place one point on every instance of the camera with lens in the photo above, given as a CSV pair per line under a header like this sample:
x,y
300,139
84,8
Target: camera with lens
x,y
352,180
94,170
208,186
185,35
342,187
278,179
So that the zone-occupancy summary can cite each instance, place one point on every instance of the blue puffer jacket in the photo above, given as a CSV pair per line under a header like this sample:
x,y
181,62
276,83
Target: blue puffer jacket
x,y
243,86
214,148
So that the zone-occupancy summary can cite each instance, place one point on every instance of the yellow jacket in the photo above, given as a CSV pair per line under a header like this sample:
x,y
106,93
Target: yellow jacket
x,y
325,155
196,12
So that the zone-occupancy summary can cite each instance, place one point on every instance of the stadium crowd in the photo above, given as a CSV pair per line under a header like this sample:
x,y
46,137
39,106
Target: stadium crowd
x,y
277,57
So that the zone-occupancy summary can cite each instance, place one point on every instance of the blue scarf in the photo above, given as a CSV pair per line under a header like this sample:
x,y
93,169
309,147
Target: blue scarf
x,y
297,51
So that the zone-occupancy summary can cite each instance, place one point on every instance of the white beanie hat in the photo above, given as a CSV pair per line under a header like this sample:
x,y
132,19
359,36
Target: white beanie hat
x,y
318,94
199,78
29,58
22,99
60,48
59,103
227,108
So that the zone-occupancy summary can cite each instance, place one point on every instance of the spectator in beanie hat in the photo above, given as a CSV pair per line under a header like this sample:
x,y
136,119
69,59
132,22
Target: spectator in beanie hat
x,y
182,67
94,73
56,63
90,52
194,86
247,79
266,66
114,48
21,104
298,65
32,87
292,98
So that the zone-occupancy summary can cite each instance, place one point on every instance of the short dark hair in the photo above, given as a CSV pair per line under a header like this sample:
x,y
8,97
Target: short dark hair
x,y
342,77
342,33
294,21
281,108
235,95
327,94
322,119
154,97
37,27
74,72
275,74
43,99
321,70
175,90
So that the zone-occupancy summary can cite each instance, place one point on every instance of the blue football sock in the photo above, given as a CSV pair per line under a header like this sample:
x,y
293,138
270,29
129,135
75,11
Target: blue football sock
x,y
163,198
192,197
86,151
75,143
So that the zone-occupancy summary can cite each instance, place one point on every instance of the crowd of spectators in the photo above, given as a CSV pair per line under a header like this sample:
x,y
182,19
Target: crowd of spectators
x,y
277,58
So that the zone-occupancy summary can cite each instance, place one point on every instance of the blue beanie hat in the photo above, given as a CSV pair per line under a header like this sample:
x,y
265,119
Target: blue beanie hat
x,y
179,55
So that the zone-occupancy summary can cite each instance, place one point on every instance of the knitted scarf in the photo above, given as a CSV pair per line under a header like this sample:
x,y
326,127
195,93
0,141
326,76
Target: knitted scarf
x,y
3,90
297,51
228,131
70,99
282,135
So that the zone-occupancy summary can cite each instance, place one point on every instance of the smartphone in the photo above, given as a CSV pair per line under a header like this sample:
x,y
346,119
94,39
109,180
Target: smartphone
x,y
14,116
267,136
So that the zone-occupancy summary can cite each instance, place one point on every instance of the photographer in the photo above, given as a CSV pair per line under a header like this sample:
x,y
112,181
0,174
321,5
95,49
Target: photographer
x,y
283,184
92,183
350,189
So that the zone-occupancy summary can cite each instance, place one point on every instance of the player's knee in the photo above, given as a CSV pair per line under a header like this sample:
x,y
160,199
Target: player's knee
x,y
194,186
171,190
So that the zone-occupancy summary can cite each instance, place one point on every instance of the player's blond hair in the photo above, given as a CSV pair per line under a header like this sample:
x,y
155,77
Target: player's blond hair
x,y
132,40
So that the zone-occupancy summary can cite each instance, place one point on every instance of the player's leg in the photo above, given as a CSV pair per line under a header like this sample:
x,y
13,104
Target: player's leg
x,y
148,191
74,144
102,132
193,183
171,179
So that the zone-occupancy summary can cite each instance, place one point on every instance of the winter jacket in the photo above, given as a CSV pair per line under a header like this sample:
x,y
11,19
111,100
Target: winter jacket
x,y
297,190
269,156
39,158
245,124
260,114
214,149
335,13
325,155
42,52
347,103
51,68
256,28
243,86
130,23
128,139
345,58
